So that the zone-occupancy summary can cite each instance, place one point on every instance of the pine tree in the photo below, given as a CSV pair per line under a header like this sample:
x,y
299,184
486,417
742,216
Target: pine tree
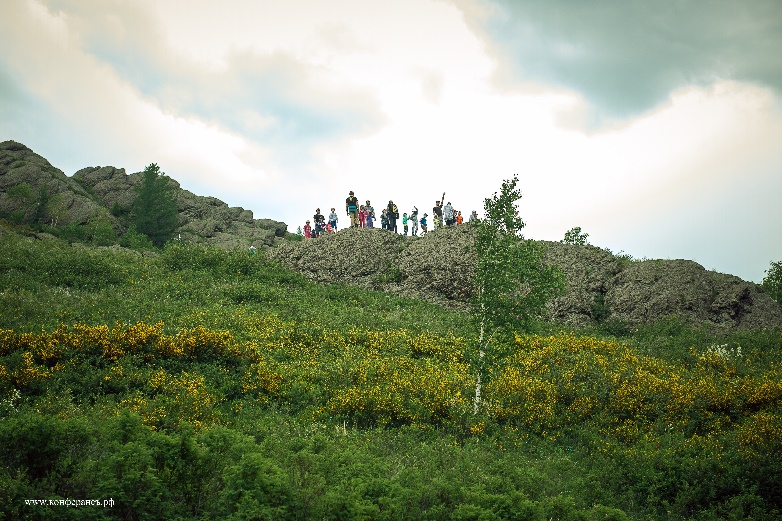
x,y
155,211
512,285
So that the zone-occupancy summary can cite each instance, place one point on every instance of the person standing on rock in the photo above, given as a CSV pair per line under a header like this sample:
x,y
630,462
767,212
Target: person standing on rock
x,y
448,214
437,212
333,218
351,207
414,221
307,230
370,212
393,215
320,222
362,217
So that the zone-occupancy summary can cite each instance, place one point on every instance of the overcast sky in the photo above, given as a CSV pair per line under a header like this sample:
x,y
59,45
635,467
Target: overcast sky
x,y
654,126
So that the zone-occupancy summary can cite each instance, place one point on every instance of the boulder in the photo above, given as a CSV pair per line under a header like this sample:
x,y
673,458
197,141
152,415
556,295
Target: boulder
x,y
653,289
439,265
31,189
588,271
365,257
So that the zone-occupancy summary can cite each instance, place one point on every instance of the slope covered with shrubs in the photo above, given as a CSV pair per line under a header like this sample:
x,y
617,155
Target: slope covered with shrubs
x,y
197,383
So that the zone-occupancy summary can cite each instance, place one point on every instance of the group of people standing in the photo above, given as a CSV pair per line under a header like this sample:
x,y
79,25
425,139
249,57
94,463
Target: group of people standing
x,y
363,216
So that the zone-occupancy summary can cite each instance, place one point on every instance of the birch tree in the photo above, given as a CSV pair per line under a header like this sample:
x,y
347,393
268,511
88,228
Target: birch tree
x,y
511,284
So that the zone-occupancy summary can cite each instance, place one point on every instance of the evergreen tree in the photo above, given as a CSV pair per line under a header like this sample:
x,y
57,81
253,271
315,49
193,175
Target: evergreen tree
x,y
155,210
512,285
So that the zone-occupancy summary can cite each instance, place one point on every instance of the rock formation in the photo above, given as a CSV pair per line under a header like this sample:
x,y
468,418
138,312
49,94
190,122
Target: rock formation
x,y
30,187
599,285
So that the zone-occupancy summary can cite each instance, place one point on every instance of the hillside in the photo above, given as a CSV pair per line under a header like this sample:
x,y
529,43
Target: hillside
x,y
200,383
33,191
601,287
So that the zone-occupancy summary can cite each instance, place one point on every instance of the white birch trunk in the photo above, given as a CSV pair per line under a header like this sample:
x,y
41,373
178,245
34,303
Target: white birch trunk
x,y
477,400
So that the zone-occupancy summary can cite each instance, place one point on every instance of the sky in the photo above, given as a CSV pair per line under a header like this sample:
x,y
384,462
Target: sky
x,y
656,127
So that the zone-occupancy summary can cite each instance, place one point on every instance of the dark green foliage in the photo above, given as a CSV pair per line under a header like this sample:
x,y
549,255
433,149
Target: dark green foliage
x,y
39,215
575,236
772,282
101,232
135,240
24,196
512,283
155,210
56,264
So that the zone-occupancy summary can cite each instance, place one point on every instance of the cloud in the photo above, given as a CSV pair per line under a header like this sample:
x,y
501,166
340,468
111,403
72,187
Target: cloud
x,y
284,107
626,57
273,97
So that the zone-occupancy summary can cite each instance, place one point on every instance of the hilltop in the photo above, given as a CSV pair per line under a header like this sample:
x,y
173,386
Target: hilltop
x,y
31,189
601,288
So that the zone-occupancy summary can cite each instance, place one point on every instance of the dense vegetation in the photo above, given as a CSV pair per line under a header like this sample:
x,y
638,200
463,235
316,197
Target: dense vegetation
x,y
196,383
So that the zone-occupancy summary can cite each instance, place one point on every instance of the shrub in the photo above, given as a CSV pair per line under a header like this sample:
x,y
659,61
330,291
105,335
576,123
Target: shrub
x,y
772,282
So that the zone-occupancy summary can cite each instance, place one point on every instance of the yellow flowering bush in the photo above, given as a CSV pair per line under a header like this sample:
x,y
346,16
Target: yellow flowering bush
x,y
391,377
170,400
564,380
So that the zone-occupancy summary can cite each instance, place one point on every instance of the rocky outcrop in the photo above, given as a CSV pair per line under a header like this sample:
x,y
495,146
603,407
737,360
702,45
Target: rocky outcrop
x,y
599,285
589,273
111,185
365,257
439,265
648,290
32,190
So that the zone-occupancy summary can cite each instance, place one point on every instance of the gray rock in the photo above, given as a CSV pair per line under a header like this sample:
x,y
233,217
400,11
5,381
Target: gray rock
x,y
28,181
94,191
599,285
440,265
588,273
653,289
361,256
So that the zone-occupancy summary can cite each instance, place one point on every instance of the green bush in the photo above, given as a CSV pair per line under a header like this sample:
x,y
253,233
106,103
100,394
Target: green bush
x,y
772,282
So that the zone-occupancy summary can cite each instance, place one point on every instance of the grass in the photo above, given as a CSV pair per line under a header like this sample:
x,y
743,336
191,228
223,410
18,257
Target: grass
x,y
196,383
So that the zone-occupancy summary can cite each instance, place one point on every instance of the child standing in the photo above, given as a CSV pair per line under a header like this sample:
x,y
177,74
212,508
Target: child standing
x,y
307,230
370,219
459,218
404,222
333,218
414,220
423,225
362,217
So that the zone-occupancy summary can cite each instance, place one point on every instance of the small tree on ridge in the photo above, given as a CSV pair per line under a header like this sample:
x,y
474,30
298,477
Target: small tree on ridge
x,y
155,212
512,285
